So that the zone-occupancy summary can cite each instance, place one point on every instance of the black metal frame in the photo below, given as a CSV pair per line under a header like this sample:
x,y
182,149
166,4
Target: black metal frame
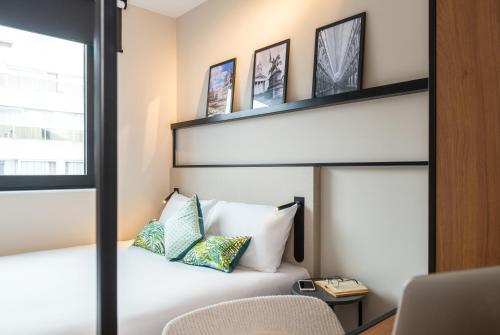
x,y
362,16
106,167
378,92
432,136
233,81
285,81
319,164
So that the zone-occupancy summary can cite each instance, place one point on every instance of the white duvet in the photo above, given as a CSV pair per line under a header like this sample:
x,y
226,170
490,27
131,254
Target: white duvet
x,y
54,292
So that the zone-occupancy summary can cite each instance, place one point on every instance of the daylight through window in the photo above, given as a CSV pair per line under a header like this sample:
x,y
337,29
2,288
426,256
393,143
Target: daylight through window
x,y
42,104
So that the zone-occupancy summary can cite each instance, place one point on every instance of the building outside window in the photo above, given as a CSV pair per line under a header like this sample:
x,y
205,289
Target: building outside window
x,y
42,104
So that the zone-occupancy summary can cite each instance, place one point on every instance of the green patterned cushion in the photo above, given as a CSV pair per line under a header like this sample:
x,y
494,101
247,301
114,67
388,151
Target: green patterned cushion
x,y
217,252
151,237
184,229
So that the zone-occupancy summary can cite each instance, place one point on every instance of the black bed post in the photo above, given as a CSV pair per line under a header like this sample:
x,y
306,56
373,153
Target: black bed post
x,y
106,166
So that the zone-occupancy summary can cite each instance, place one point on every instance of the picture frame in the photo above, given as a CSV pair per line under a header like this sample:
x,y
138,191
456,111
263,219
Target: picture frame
x,y
270,75
220,93
346,74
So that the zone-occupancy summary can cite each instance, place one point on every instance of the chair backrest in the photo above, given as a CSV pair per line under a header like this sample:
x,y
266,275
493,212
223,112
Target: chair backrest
x,y
463,302
273,315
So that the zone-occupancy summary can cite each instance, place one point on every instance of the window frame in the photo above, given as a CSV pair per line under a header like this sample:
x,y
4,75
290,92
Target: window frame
x,y
55,182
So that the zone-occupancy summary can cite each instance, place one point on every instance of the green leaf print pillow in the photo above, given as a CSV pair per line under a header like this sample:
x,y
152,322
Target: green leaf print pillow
x,y
217,252
152,238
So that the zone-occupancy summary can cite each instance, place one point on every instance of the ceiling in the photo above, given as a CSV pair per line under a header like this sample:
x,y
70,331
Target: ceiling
x,y
172,8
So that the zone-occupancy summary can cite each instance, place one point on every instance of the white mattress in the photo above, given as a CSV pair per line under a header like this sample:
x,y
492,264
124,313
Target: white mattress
x,y
53,292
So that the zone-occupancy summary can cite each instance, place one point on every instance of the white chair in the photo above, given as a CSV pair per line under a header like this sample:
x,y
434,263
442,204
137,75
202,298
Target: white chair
x,y
273,315
458,303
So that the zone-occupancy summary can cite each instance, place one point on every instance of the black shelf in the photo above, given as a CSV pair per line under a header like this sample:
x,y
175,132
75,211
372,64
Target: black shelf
x,y
319,164
378,92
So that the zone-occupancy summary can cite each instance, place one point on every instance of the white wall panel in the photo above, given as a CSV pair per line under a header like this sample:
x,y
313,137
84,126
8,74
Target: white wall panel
x,y
38,220
374,227
389,129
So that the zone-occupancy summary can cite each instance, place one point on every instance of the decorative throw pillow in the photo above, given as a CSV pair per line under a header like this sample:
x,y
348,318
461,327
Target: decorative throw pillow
x,y
217,252
151,237
177,200
185,229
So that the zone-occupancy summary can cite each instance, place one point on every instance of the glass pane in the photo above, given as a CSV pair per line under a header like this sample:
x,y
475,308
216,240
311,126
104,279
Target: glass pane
x,y
42,104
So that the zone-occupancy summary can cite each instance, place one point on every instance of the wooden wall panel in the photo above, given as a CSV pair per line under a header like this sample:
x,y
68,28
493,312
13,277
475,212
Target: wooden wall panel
x,y
468,134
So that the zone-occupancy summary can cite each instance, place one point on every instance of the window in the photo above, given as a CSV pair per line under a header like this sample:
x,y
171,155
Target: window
x,y
44,114
36,167
74,168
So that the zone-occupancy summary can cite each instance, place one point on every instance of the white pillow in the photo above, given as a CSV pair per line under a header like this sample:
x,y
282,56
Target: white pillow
x,y
268,227
176,202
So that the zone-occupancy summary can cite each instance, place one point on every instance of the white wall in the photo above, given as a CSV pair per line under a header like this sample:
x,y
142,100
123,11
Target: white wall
x,y
146,106
147,100
33,220
388,129
395,47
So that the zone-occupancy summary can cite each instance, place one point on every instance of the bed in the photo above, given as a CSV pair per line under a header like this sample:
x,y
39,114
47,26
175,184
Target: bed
x,y
53,292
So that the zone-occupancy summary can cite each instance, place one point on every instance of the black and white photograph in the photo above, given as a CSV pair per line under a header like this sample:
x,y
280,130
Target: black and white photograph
x,y
338,60
270,73
221,88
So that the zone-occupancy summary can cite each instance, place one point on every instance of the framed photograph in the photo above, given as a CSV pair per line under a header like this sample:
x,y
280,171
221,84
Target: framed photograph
x,y
270,72
221,88
338,56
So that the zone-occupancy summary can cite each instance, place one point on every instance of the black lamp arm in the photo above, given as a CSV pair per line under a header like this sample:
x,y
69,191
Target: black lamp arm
x,y
170,195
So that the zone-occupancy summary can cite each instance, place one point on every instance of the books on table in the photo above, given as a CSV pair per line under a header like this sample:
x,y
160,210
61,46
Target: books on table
x,y
342,287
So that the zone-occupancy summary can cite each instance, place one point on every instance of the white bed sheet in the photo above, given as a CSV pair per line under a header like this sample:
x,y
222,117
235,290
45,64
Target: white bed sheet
x,y
53,292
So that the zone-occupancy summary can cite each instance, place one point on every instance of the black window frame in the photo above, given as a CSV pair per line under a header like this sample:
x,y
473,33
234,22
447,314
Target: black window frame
x,y
54,182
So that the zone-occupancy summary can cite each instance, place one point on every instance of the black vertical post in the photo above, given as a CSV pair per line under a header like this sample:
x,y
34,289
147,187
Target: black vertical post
x,y
119,41
106,168
298,230
174,147
432,136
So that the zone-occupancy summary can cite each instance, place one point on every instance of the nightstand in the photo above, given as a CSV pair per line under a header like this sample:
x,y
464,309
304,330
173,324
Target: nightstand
x,y
331,300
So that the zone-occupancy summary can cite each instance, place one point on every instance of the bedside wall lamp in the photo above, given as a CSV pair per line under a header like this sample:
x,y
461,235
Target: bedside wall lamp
x,y
170,195
121,5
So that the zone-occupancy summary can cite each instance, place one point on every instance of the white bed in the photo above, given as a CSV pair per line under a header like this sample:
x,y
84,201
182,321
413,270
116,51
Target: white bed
x,y
54,292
